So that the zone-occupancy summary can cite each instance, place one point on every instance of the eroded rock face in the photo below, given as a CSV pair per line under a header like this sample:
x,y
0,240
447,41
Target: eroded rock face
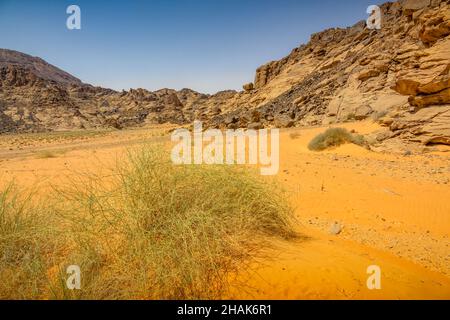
x,y
435,27
407,87
355,72
428,126
439,98
440,83
429,119
415,4
435,92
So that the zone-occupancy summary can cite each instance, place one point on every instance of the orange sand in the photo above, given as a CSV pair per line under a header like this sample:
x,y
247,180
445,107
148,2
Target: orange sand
x,y
395,212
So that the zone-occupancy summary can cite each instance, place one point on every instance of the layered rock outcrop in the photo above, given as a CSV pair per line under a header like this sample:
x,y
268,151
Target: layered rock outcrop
x,y
356,73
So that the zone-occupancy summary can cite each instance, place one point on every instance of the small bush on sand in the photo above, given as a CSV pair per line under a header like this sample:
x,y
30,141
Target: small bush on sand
x,y
334,137
46,155
153,230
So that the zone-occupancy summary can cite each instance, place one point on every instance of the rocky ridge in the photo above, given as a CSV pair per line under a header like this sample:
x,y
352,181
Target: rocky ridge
x,y
398,75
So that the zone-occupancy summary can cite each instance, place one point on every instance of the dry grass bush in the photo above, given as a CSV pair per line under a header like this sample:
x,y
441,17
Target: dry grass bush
x,y
152,230
28,245
334,137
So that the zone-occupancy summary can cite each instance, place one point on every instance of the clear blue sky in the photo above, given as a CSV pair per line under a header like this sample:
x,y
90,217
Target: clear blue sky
x,y
206,45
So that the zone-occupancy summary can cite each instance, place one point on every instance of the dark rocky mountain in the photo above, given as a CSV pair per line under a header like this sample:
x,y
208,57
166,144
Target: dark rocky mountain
x,y
37,66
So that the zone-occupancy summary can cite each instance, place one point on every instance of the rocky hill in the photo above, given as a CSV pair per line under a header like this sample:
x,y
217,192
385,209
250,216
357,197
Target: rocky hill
x,y
35,99
37,66
398,75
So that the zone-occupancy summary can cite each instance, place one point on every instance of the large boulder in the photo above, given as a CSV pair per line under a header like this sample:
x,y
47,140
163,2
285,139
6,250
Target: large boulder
x,y
365,75
248,87
435,92
283,121
440,98
362,112
440,83
406,87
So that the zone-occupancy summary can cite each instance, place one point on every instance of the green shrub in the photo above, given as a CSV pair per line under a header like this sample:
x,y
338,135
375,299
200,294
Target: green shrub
x,y
334,137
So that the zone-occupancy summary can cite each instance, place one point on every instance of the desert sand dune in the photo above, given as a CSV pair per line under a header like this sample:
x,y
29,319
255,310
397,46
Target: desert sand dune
x,y
391,210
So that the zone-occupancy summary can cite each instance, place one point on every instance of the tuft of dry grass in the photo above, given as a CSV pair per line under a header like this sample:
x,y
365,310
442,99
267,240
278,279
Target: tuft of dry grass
x,y
46,155
177,231
27,245
335,137
147,230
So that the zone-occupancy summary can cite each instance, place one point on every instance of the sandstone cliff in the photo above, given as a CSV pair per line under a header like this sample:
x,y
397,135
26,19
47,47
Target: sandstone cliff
x,y
399,75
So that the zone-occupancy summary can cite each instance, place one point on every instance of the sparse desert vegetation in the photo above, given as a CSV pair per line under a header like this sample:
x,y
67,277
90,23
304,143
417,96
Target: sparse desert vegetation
x,y
335,137
49,154
148,229
358,119
27,139
140,228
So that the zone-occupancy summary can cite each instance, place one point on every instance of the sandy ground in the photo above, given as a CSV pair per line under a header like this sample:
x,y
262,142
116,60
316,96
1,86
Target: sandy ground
x,y
394,211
